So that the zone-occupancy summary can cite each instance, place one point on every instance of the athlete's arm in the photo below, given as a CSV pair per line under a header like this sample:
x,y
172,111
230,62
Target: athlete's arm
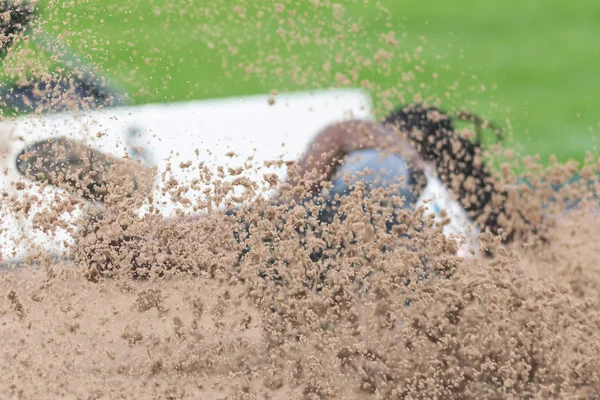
x,y
334,143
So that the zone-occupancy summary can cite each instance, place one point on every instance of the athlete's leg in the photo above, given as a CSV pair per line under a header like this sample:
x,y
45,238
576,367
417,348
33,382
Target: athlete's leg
x,y
80,87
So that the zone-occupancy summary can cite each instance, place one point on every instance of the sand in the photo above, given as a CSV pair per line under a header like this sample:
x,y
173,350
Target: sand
x,y
163,316
270,304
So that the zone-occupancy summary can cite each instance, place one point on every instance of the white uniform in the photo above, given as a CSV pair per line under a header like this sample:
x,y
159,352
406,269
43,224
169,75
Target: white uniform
x,y
436,198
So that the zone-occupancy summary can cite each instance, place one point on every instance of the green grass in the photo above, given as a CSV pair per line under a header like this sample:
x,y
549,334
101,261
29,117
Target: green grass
x,y
531,62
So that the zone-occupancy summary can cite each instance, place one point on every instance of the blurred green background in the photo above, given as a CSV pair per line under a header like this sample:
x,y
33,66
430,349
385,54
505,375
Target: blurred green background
x,y
532,66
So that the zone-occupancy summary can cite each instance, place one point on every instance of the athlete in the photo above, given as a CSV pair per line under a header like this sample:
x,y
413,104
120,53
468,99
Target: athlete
x,y
341,157
443,160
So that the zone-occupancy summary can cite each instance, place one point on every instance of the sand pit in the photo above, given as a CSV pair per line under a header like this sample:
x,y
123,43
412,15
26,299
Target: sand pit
x,y
281,323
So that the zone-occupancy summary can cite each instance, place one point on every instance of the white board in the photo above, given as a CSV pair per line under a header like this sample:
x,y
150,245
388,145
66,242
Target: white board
x,y
248,126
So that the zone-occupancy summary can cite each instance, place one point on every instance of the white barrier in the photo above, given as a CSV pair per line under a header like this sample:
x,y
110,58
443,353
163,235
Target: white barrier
x,y
171,134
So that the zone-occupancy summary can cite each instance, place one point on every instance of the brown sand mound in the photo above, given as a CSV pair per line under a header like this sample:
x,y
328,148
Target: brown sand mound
x,y
276,323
